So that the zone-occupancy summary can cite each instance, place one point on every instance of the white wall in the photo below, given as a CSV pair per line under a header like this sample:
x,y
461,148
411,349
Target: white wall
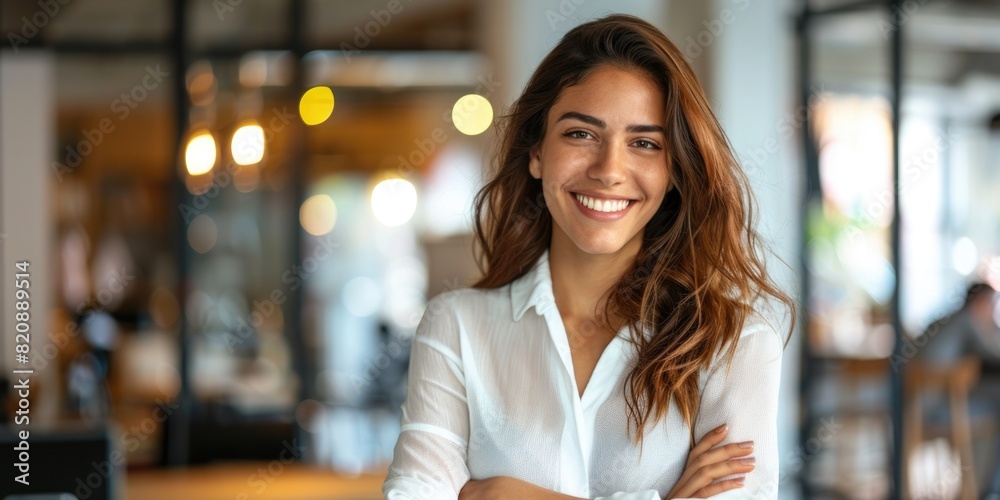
x,y
516,34
754,93
26,138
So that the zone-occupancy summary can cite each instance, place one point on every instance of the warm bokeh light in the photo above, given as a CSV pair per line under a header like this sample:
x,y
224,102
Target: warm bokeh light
x,y
472,114
318,214
200,154
394,201
248,144
316,105
167,379
202,233
163,308
201,83
253,71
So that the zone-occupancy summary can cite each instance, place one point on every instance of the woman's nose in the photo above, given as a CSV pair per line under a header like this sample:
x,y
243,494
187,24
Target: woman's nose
x,y
610,166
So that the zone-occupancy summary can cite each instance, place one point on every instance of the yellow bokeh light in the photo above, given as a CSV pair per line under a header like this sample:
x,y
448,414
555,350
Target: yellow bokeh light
x,y
394,201
248,144
316,105
200,154
472,114
318,214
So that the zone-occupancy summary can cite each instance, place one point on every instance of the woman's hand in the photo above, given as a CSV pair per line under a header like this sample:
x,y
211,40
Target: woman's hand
x,y
706,464
503,487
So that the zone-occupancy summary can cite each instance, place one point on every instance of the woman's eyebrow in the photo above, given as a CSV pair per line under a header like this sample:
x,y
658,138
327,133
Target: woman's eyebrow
x,y
640,129
599,123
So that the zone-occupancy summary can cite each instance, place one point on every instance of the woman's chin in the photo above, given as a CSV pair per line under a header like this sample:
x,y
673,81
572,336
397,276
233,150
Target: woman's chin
x,y
600,246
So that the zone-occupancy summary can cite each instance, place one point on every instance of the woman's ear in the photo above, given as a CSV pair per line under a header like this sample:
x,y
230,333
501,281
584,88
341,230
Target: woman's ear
x,y
535,163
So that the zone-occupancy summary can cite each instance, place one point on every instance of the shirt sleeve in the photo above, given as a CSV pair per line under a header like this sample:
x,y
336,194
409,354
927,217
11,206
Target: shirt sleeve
x,y
429,460
746,397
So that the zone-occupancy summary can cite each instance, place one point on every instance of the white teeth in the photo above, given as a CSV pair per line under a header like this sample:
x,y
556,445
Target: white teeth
x,y
602,205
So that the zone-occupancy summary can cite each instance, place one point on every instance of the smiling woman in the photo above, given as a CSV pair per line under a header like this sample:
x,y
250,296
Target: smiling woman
x,y
619,214
602,159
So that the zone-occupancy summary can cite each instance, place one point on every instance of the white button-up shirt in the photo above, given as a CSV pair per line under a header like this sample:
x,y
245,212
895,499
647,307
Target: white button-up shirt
x,y
492,392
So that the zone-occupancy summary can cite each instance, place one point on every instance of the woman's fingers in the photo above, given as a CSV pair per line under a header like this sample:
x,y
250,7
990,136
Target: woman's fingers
x,y
721,453
704,476
715,489
712,438
709,462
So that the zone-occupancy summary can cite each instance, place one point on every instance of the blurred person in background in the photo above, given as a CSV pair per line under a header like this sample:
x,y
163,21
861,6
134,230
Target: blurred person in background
x,y
971,331
647,370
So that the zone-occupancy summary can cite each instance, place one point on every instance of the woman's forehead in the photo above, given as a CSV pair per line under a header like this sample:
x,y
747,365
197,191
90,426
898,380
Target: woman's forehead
x,y
614,96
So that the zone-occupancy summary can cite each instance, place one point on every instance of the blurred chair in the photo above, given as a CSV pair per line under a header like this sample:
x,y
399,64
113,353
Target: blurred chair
x,y
954,381
863,412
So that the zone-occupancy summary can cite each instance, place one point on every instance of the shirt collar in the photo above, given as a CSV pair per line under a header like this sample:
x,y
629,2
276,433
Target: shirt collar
x,y
533,289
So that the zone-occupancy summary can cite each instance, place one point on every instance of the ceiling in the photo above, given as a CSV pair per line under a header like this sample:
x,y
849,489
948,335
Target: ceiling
x,y
951,53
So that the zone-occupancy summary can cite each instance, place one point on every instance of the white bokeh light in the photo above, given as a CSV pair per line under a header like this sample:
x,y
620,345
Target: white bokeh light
x,y
318,214
248,144
964,256
394,201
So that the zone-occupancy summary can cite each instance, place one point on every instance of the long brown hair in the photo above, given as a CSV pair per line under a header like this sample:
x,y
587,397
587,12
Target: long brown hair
x,y
700,272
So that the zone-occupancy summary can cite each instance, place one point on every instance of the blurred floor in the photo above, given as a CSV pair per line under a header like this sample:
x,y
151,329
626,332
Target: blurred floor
x,y
251,481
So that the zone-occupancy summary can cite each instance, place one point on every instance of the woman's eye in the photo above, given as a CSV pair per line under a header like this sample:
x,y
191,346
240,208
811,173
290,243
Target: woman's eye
x,y
644,144
577,134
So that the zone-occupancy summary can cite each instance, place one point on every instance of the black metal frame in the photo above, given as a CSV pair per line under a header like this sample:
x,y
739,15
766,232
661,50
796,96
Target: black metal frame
x,y
177,451
812,194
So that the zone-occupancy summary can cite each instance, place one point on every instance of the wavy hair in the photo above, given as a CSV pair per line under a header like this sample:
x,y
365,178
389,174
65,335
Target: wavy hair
x,y
700,272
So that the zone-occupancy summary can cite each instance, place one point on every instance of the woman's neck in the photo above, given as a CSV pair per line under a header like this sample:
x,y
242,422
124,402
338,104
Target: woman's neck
x,y
579,279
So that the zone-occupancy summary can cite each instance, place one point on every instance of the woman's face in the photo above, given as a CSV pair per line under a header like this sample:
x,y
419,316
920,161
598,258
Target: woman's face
x,y
602,161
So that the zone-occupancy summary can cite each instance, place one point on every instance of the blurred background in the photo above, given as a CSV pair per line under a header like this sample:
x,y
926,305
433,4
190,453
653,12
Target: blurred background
x,y
234,212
